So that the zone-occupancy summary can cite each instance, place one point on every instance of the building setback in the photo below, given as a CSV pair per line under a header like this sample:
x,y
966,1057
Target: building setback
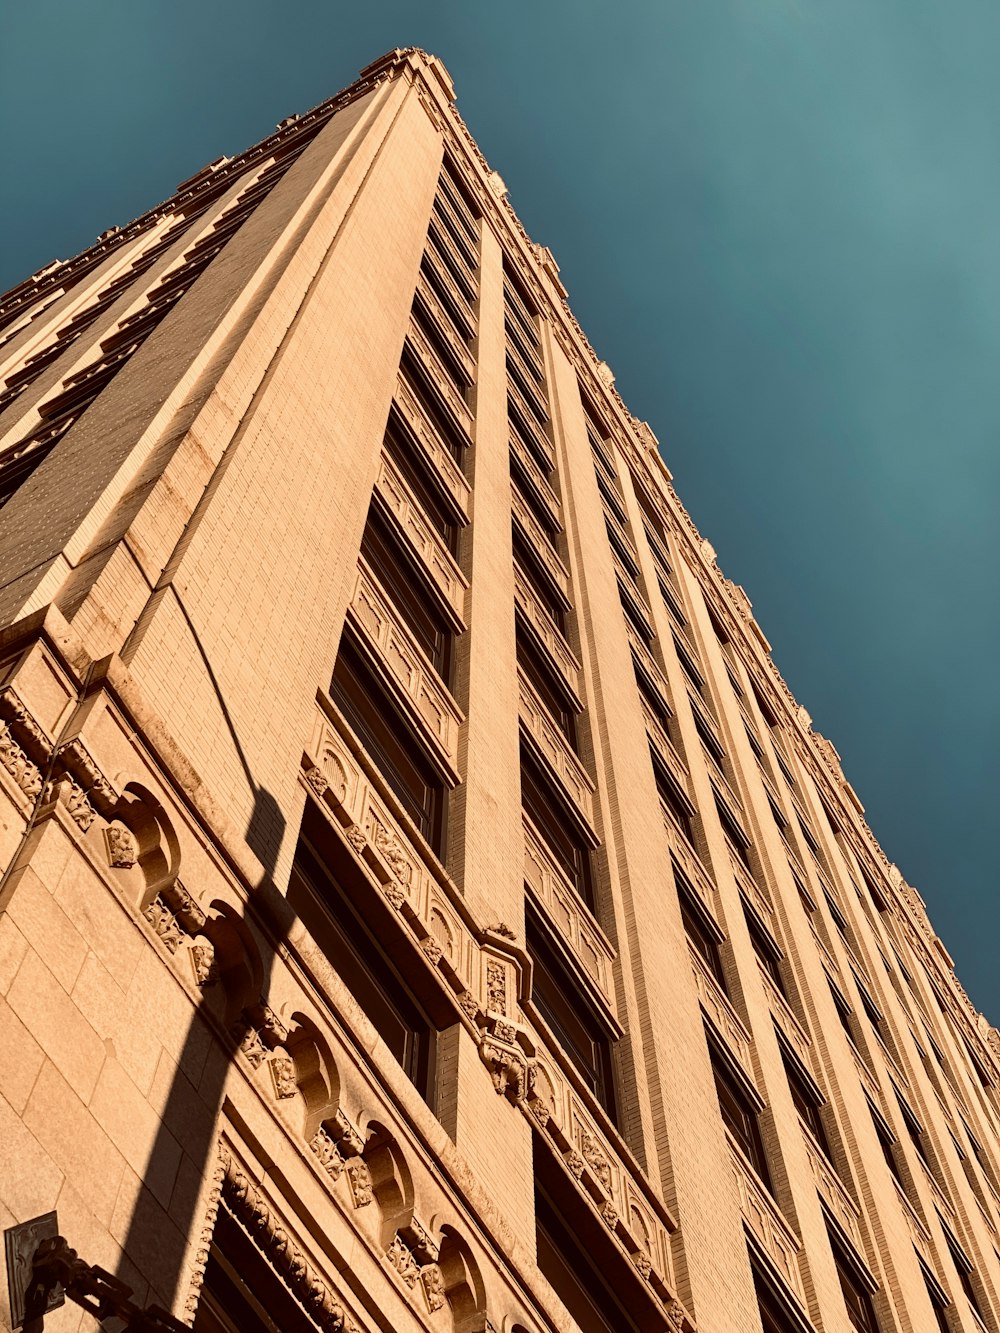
x,y
425,905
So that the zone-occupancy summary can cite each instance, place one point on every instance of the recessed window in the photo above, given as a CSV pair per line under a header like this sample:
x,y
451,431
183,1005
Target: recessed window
x,y
570,1257
702,933
547,686
963,1267
241,1293
404,583
856,1289
362,955
768,953
807,1100
389,740
740,1115
575,1022
553,824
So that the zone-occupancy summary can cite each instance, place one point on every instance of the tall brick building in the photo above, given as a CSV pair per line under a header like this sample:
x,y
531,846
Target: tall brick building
x,y
425,906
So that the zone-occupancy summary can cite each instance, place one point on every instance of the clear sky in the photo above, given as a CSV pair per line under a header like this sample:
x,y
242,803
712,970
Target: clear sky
x,y
778,221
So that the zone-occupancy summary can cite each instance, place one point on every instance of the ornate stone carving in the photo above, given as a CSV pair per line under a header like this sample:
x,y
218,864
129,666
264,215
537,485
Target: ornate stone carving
x,y
206,973
431,948
317,781
18,765
184,907
360,1180
395,894
468,1004
356,837
506,1066
122,848
350,1141
271,1238
505,1032
433,1285
164,923
283,1075
595,1158
643,1263
389,846
79,808
675,1314
326,1150
204,1242
402,1260
496,986
610,1213
575,1163
252,1047
502,929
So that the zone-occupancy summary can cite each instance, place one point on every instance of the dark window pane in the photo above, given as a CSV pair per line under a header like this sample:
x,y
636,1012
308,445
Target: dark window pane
x,y
559,835
740,1118
403,584
386,736
241,1293
568,1013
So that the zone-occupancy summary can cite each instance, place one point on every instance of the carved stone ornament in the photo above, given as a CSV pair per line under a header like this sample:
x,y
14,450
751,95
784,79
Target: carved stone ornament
x,y
610,1213
356,837
79,808
348,1139
122,848
505,1032
184,907
506,1066
391,849
18,765
402,1260
468,1004
206,972
433,1285
431,948
317,780
283,1075
595,1158
204,1242
395,894
164,923
326,1150
496,986
360,1180
502,929
643,1263
251,1046
540,1111
575,1163
675,1314
254,1212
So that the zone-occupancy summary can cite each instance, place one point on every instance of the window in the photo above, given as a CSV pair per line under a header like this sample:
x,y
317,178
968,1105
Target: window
x,y
886,1140
546,685
856,1286
553,825
807,1098
739,1114
778,1309
424,481
362,953
737,839
963,1267
241,1293
404,582
914,1130
673,800
571,1256
389,740
768,954
935,1294
563,1003
537,578
703,934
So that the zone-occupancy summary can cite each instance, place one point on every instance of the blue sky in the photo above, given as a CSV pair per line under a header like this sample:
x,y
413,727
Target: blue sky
x,y
777,220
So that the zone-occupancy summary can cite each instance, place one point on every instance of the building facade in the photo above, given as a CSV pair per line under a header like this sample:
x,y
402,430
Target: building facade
x,y
424,905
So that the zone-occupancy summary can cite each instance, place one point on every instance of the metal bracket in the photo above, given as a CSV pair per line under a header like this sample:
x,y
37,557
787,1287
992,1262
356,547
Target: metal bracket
x,y
20,1244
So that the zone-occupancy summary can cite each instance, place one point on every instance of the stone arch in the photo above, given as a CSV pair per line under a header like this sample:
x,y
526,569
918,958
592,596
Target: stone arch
x,y
141,836
464,1291
238,967
391,1181
316,1073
